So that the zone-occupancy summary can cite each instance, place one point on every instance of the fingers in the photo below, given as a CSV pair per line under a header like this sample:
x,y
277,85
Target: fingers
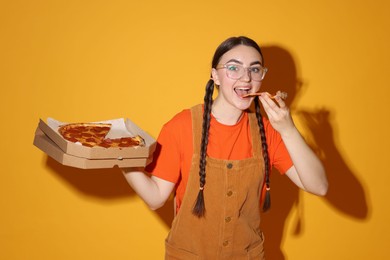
x,y
269,106
280,101
267,101
276,110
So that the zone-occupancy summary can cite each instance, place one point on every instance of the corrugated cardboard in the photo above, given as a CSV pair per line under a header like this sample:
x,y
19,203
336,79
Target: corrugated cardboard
x,y
67,153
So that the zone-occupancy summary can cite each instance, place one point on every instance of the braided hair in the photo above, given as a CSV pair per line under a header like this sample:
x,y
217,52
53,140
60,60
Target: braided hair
x,y
264,147
199,207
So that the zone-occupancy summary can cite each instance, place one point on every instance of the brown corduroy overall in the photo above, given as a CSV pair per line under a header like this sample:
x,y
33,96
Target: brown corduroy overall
x,y
231,226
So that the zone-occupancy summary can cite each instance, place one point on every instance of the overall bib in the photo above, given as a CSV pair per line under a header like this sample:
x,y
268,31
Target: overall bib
x,y
231,226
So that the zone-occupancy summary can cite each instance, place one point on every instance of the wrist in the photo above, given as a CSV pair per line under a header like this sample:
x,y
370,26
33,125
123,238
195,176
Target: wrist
x,y
289,132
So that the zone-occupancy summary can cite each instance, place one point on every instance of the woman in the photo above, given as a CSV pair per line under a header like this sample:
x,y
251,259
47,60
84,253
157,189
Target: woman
x,y
217,158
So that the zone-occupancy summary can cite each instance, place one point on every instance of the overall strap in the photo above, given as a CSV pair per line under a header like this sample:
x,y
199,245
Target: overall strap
x,y
255,133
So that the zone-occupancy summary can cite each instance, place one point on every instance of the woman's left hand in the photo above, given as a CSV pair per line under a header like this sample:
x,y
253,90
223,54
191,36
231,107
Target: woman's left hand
x,y
307,172
278,113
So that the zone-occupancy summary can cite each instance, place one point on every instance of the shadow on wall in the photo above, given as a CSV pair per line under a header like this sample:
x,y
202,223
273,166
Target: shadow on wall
x,y
104,184
319,126
110,184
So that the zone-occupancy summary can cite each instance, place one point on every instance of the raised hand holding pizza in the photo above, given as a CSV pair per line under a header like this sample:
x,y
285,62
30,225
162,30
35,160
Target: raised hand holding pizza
x,y
307,172
278,113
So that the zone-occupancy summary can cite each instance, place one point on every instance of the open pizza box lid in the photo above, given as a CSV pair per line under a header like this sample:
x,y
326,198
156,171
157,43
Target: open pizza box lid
x,y
44,143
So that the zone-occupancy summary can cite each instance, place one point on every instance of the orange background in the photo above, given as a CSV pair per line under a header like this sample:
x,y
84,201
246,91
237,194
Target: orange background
x,y
98,60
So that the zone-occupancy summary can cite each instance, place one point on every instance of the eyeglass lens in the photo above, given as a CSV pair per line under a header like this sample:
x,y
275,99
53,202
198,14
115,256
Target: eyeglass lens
x,y
235,71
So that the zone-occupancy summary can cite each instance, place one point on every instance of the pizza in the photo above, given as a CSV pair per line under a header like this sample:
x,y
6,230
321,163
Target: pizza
x,y
282,95
94,134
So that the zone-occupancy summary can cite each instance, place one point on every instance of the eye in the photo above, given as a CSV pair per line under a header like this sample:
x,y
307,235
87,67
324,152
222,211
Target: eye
x,y
255,69
232,67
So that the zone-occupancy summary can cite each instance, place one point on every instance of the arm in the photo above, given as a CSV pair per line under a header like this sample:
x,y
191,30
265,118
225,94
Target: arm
x,y
154,191
307,172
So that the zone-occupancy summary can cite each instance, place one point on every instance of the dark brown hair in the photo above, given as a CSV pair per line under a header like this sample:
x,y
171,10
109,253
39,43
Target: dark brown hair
x,y
227,45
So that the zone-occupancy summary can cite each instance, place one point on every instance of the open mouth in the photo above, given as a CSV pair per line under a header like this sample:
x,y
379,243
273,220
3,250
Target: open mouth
x,y
242,91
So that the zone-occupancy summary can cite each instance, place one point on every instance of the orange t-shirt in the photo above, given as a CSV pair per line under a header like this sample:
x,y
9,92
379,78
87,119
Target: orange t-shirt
x,y
173,155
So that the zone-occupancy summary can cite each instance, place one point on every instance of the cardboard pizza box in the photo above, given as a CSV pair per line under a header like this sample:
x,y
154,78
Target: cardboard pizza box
x,y
44,143
120,128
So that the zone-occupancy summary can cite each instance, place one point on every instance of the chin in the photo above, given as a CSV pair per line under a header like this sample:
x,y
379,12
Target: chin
x,y
244,106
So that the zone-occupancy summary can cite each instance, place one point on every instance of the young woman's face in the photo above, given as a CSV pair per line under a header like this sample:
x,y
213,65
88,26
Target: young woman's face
x,y
231,91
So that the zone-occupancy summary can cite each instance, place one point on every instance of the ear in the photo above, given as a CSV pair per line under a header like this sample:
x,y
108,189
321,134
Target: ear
x,y
214,74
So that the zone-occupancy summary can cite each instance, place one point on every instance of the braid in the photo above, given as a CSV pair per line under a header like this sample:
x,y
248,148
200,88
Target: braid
x,y
264,146
199,207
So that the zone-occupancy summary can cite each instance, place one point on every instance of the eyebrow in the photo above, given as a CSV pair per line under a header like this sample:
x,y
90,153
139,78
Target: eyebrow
x,y
239,62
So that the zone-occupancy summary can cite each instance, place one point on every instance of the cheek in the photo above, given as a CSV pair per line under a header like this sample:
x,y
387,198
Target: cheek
x,y
226,82
257,86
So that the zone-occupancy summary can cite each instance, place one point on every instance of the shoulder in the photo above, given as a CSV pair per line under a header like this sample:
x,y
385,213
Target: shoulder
x,y
180,119
183,118
179,126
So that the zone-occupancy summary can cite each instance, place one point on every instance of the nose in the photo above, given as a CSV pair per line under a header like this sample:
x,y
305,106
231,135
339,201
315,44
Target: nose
x,y
246,77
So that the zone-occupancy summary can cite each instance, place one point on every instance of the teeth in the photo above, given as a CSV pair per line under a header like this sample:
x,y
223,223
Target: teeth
x,y
242,89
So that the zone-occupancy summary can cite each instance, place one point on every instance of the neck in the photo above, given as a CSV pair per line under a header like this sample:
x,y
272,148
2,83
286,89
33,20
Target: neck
x,y
226,115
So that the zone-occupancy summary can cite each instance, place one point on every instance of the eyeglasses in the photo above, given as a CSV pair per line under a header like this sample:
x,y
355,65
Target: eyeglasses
x,y
237,71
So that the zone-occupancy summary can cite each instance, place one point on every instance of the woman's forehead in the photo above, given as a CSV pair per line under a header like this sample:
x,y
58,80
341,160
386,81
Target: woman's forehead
x,y
243,54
